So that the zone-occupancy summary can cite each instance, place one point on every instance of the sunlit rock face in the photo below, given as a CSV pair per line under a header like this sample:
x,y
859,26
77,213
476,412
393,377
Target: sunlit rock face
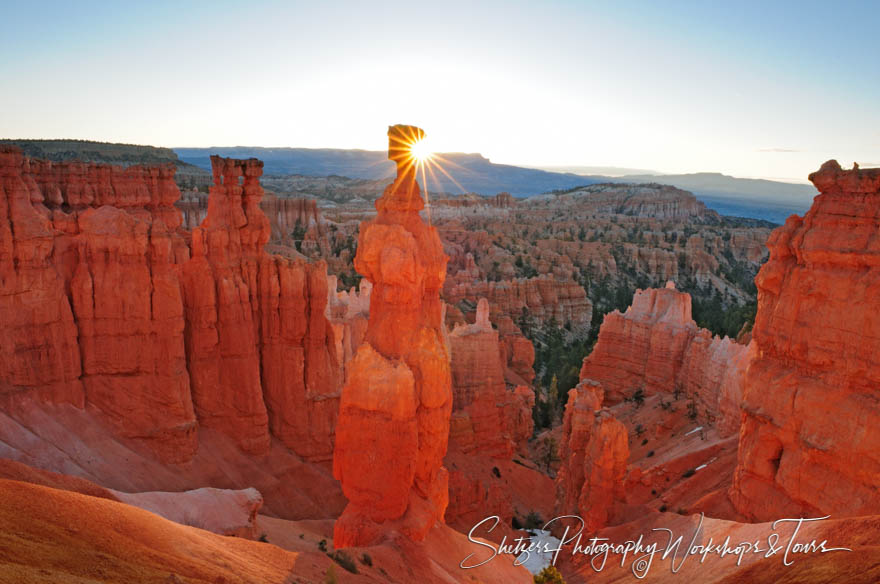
x,y
107,302
393,424
655,346
809,442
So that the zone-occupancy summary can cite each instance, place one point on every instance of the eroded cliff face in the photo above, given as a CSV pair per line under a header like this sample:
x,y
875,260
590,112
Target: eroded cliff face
x,y
594,453
541,299
809,442
112,305
90,295
488,418
655,346
394,414
491,422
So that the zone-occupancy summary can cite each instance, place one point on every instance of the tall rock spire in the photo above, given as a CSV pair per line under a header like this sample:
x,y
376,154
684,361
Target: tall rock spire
x,y
395,407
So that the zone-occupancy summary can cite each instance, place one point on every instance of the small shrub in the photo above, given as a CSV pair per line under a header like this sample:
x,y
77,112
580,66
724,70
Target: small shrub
x,y
688,473
645,441
366,560
662,508
639,396
681,511
496,472
650,454
639,430
264,538
533,520
515,523
322,545
653,491
344,560
549,575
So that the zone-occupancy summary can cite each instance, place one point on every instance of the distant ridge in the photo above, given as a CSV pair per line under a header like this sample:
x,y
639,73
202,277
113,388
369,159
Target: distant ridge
x,y
755,198
472,172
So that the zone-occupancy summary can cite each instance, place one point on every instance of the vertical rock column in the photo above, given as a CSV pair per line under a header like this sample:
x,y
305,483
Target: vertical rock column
x,y
393,425
220,284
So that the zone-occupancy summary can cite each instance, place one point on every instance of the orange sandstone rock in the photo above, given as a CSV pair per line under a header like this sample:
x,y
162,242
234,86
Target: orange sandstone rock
x,y
90,289
809,442
108,302
655,346
594,452
393,427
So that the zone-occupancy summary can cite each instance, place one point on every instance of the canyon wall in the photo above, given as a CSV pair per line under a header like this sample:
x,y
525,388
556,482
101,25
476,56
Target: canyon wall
x,y
491,421
112,305
487,417
394,413
655,346
540,299
594,453
809,442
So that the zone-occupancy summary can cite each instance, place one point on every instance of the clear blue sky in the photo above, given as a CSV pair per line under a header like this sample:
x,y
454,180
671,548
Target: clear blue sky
x,y
758,89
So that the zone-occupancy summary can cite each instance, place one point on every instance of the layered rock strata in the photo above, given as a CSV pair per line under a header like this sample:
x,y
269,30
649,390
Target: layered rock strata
x,y
111,304
809,442
655,346
394,414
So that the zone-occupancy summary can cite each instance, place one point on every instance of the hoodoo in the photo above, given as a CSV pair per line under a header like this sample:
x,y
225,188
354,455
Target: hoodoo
x,y
394,413
809,442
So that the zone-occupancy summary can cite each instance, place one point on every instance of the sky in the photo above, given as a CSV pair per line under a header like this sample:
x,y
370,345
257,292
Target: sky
x,y
751,89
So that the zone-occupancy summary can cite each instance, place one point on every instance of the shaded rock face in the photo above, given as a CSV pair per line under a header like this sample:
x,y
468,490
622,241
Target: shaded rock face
x,y
491,421
90,295
112,305
393,425
487,417
223,511
540,299
594,451
809,442
655,346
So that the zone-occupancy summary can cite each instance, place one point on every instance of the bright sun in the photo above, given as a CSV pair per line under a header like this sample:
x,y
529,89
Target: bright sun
x,y
420,151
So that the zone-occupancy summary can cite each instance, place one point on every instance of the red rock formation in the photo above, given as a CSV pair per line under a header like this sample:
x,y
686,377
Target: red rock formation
x,y
394,413
106,307
594,452
348,312
297,223
245,308
90,289
809,442
541,299
487,417
655,346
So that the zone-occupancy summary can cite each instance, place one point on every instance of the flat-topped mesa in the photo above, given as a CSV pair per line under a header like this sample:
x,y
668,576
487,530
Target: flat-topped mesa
x,y
809,442
394,413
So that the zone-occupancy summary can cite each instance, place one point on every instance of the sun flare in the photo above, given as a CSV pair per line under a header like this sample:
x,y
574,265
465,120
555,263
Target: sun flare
x,y
420,151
